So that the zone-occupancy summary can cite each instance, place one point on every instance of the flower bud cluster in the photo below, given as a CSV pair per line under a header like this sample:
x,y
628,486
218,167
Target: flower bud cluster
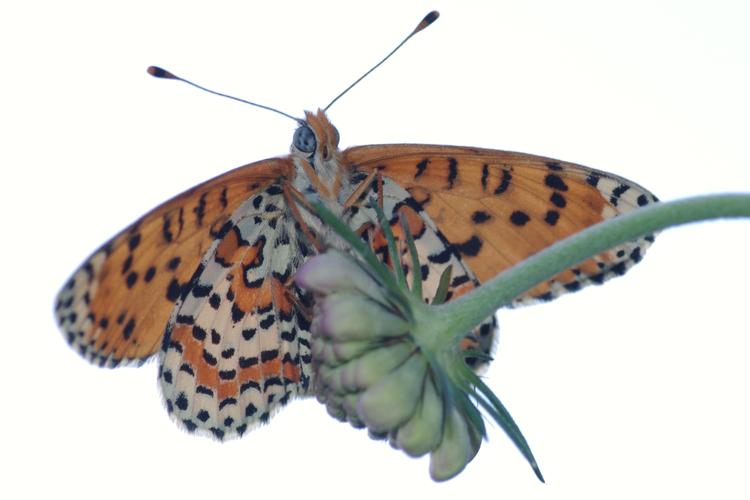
x,y
370,371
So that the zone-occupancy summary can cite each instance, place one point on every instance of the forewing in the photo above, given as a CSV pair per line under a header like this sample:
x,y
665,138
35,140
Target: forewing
x,y
497,208
116,305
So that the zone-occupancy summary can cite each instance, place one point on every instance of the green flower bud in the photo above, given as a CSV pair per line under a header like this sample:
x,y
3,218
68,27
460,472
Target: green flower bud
x,y
423,431
322,351
455,451
349,403
346,351
370,367
362,372
333,272
345,317
393,398
335,409
374,340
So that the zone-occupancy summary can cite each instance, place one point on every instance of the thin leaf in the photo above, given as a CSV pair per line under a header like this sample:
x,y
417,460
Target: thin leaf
x,y
340,228
442,289
492,405
392,250
416,268
480,355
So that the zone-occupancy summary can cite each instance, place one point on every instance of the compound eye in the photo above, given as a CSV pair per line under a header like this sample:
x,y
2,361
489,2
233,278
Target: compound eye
x,y
304,139
336,136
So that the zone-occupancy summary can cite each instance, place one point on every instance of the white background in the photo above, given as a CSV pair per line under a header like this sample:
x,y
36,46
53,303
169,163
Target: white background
x,y
635,389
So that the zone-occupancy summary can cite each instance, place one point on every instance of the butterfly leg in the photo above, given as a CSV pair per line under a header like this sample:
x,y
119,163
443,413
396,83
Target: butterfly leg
x,y
292,197
380,191
374,176
359,191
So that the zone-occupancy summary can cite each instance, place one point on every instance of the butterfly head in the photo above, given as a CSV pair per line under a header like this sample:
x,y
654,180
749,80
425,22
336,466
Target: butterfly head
x,y
316,137
315,150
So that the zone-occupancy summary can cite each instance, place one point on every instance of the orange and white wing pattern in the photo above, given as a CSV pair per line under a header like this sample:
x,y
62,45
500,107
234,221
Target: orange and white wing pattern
x,y
497,208
115,307
238,344
436,254
208,275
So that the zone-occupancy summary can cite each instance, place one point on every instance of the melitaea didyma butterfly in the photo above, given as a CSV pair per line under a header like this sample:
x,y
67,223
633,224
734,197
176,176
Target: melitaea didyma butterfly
x,y
206,279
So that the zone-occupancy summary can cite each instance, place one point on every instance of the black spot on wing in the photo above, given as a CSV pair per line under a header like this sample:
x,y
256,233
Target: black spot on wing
x,y
480,216
459,280
551,217
181,402
237,313
593,179
267,322
452,172
173,264
617,192
620,268
89,270
269,355
173,290
248,362
127,263
201,290
134,241
558,200
470,247
223,198
200,209
166,229
225,402
199,333
248,333
440,257
214,301
504,182
127,332
209,358
421,167
519,218
202,389
555,182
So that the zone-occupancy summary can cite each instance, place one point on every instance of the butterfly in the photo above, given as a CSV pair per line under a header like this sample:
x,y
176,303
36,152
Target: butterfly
x,y
205,280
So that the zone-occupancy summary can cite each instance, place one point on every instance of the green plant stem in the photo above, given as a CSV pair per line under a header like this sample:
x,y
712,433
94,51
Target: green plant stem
x,y
453,319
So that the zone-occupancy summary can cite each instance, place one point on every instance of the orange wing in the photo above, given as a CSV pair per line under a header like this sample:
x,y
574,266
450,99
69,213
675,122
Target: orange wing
x,y
116,305
498,208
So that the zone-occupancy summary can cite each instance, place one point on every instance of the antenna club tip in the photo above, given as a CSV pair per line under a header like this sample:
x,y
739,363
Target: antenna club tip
x,y
158,72
428,20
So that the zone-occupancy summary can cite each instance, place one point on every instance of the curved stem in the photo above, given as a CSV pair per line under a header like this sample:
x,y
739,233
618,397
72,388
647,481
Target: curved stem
x,y
458,316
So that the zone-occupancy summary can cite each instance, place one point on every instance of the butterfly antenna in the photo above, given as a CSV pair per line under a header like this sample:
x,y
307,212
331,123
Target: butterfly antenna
x,y
428,20
158,72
